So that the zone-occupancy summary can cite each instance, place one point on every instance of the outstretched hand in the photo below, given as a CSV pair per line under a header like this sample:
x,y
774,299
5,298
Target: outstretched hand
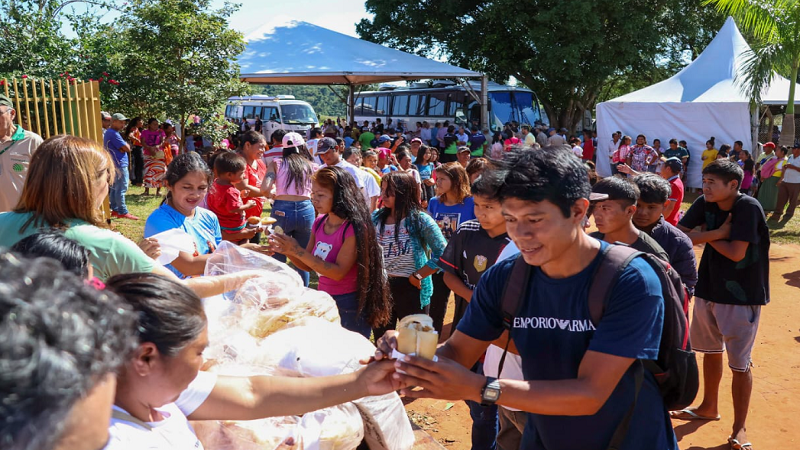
x,y
444,379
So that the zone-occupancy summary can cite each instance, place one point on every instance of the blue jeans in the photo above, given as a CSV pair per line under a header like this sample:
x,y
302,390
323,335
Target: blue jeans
x,y
296,220
484,421
116,192
348,311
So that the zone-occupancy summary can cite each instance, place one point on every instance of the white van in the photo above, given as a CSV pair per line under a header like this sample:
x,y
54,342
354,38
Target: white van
x,y
282,112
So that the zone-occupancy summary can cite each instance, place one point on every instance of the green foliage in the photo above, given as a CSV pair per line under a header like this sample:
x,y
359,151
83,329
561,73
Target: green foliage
x,y
214,127
565,50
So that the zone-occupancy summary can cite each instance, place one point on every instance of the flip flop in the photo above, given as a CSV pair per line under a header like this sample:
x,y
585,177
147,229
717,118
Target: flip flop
x,y
689,414
736,445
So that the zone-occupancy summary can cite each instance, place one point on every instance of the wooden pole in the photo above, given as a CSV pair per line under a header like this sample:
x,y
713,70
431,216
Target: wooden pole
x,y
53,109
5,85
97,122
27,114
61,105
36,108
44,108
88,132
77,107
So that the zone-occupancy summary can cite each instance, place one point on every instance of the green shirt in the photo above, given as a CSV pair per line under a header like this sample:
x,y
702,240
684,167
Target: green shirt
x,y
110,253
366,139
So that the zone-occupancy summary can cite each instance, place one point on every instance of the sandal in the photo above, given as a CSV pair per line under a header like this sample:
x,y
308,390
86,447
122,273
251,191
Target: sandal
x,y
736,445
689,414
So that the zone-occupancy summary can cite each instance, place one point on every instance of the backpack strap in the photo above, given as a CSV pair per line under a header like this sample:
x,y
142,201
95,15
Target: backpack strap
x,y
622,429
613,261
513,292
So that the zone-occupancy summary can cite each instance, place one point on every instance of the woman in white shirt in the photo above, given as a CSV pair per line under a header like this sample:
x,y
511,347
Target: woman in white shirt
x,y
161,387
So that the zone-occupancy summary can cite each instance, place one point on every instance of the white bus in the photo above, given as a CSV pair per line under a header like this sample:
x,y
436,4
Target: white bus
x,y
447,101
282,112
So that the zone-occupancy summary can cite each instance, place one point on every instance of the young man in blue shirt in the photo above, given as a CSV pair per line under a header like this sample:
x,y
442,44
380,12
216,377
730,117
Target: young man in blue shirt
x,y
579,378
119,149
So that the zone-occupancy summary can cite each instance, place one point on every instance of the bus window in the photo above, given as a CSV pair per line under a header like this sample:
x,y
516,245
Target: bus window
x,y
455,107
228,112
400,105
369,106
358,108
270,113
249,112
383,105
436,104
528,110
416,105
502,110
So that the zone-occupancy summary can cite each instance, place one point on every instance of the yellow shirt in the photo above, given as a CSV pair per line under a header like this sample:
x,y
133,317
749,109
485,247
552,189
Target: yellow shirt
x,y
709,156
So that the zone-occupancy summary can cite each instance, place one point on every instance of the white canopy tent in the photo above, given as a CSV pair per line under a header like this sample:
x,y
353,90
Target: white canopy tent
x,y
700,101
296,52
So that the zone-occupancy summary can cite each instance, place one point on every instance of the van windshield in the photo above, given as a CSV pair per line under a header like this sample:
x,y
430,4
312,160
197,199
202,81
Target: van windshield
x,y
298,114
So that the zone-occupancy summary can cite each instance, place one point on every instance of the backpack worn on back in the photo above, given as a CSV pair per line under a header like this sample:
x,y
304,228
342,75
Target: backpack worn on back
x,y
675,370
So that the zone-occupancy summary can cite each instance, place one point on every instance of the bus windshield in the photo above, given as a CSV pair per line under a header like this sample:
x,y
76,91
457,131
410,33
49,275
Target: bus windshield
x,y
298,114
508,106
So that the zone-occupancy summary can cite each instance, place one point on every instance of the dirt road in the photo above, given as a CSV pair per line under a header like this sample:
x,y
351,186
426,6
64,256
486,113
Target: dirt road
x,y
773,423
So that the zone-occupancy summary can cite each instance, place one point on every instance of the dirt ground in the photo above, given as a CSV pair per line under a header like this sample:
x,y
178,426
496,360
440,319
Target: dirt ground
x,y
775,406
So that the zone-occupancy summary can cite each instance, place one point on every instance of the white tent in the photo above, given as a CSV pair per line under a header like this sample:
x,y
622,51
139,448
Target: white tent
x,y
296,52
700,101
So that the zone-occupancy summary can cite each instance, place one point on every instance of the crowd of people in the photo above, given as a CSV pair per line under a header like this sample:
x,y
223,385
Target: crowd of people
x,y
390,229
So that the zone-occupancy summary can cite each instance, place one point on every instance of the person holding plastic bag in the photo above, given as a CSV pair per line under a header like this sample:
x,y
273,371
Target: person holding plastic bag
x,y
344,251
187,181
161,386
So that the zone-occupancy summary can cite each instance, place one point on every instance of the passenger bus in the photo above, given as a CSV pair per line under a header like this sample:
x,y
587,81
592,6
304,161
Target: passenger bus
x,y
276,112
445,100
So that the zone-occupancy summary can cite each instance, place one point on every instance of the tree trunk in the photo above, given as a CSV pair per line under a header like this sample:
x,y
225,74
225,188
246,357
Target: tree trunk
x,y
787,130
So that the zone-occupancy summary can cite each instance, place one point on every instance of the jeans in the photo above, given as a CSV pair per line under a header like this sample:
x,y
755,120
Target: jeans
x,y
348,311
116,192
296,220
484,421
137,165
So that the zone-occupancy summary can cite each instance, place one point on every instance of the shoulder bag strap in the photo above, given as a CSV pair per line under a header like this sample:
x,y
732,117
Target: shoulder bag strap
x,y
513,293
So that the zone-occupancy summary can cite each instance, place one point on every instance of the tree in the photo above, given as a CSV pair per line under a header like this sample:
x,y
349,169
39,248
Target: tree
x,y
178,58
565,50
775,26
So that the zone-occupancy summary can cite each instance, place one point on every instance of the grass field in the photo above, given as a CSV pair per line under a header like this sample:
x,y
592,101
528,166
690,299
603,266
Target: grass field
x,y
780,232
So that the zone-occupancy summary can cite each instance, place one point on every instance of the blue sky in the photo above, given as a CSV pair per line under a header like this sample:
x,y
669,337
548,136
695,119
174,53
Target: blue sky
x,y
253,13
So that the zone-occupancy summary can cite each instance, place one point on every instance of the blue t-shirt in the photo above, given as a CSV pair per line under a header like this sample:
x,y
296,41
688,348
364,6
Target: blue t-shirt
x,y
388,169
553,332
450,218
425,171
113,141
203,227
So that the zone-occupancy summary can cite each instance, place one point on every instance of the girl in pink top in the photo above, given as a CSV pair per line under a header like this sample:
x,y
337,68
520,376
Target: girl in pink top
x,y
344,251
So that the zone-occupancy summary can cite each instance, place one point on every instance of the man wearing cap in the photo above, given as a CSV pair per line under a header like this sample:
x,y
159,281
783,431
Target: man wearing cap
x,y
329,153
105,119
541,136
555,139
119,149
463,156
16,148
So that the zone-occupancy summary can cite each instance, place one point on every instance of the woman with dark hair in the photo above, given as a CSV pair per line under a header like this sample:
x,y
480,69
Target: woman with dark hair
x,y
172,142
252,146
408,236
155,159
344,251
133,136
290,177
161,386
497,149
771,172
53,244
425,169
452,206
749,167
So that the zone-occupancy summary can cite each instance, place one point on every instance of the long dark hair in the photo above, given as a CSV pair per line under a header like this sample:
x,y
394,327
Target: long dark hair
x,y
423,151
129,128
374,298
251,137
298,162
406,192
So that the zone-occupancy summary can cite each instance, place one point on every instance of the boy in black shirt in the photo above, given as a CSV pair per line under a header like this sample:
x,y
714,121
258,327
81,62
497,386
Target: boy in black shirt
x,y
732,285
471,251
614,217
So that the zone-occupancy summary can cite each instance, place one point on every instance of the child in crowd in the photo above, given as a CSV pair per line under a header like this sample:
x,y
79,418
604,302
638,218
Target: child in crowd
x,y
671,172
452,206
155,158
614,217
732,286
710,153
225,200
749,167
425,169
475,168
344,251
475,247
655,199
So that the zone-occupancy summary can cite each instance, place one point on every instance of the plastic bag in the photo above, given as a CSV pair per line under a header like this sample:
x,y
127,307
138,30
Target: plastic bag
x,y
230,258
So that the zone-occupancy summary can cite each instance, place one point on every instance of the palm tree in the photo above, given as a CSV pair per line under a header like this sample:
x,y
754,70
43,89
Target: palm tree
x,y
775,25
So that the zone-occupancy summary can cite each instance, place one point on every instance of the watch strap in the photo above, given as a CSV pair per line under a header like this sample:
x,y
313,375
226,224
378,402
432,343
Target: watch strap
x,y
492,384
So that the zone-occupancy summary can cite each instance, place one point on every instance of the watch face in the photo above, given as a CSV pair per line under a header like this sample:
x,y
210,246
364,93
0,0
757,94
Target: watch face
x,y
491,394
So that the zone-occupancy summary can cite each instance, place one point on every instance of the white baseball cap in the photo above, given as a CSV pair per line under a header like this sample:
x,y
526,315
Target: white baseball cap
x,y
293,140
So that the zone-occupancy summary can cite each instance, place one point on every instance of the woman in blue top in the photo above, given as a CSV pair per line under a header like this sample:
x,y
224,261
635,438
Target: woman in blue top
x,y
187,180
425,169
452,206
407,236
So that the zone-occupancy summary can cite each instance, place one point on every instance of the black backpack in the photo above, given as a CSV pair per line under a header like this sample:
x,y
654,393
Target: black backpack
x,y
675,370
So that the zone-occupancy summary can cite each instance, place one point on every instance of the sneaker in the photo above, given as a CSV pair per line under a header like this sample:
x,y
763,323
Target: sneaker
x,y
128,216
115,215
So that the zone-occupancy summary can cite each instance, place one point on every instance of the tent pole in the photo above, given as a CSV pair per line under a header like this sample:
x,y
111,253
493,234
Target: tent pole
x,y
485,102
351,103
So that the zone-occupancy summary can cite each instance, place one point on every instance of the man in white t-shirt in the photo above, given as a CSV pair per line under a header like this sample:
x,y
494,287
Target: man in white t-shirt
x,y
330,154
